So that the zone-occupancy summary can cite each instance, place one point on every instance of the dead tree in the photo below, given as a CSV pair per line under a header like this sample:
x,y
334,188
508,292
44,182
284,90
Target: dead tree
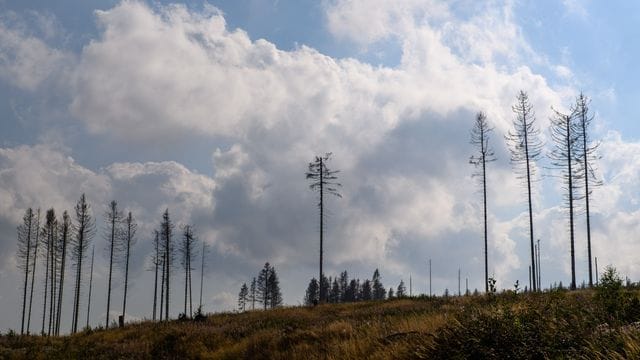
x,y
163,256
168,254
565,136
156,264
525,147
129,240
323,180
480,139
84,229
187,250
49,235
93,252
113,219
204,251
65,230
24,254
586,154
33,270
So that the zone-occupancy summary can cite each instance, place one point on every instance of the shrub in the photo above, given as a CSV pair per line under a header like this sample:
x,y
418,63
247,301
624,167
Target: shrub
x,y
609,293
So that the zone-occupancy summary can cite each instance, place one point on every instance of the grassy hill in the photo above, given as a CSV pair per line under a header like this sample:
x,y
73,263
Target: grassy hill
x,y
558,324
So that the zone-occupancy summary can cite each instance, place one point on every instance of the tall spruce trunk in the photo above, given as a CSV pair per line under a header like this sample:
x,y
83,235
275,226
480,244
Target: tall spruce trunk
x,y
52,294
526,149
65,235
155,280
571,230
33,272
322,295
167,269
76,303
162,288
201,276
484,202
90,286
126,270
46,287
26,272
586,194
111,248
186,279
190,292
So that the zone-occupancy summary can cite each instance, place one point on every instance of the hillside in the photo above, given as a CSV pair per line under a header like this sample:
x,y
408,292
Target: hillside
x,y
584,323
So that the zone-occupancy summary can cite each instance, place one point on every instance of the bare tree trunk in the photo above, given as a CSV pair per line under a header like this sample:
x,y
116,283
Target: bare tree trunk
x,y
90,286
582,108
322,180
486,246
26,268
322,295
33,272
167,232
65,234
46,284
52,305
166,292
126,266
155,280
186,279
190,292
570,183
162,288
533,260
201,275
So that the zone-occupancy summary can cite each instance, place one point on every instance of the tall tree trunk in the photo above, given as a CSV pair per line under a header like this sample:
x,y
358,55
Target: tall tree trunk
x,y
167,231
162,288
62,269
26,271
52,306
155,280
33,272
112,241
201,276
526,149
126,270
322,295
484,201
570,174
76,303
46,286
186,277
90,286
586,186
190,292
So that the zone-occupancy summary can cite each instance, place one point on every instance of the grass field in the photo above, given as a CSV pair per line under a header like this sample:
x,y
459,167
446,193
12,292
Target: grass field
x,y
557,324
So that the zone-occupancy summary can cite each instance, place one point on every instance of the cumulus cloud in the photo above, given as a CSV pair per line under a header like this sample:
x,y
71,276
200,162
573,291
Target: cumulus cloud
x,y
399,136
42,176
165,72
26,60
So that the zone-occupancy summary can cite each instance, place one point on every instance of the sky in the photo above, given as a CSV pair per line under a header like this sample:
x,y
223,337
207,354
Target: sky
x,y
214,110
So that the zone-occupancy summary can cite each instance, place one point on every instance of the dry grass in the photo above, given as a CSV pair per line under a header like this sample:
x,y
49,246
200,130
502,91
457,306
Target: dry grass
x,y
505,326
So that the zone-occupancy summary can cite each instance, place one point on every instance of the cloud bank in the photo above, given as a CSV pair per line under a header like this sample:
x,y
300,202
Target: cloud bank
x,y
399,136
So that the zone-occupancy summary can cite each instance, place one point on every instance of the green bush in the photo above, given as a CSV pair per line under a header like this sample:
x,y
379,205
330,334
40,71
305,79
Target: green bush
x,y
609,293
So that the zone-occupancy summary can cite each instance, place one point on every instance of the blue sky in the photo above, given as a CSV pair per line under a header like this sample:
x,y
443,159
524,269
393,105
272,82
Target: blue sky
x,y
214,109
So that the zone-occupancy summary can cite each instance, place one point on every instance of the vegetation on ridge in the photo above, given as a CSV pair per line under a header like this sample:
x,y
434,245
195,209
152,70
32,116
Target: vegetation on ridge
x,y
600,323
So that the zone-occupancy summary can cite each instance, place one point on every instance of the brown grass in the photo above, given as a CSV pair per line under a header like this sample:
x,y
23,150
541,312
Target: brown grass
x,y
505,326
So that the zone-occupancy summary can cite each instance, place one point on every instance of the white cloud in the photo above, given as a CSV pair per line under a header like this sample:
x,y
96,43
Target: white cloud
x,y
168,72
576,8
42,176
399,135
26,61
366,22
